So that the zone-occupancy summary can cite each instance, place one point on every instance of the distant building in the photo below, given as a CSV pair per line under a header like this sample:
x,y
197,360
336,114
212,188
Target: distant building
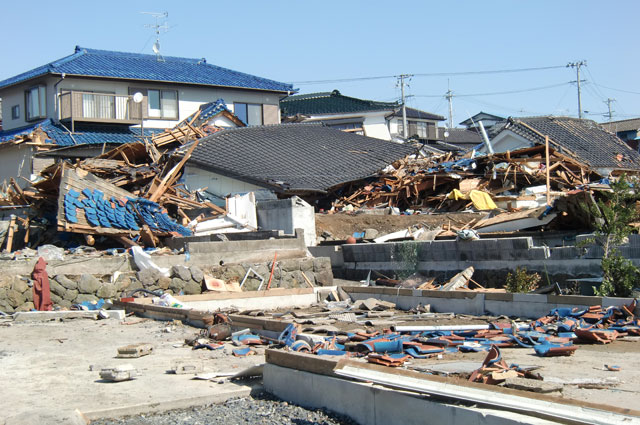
x,y
382,120
487,120
460,139
627,130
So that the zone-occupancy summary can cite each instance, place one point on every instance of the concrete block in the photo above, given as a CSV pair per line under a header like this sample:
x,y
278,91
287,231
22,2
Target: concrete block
x,y
119,373
565,253
522,243
538,253
584,238
348,254
634,240
631,251
529,298
594,251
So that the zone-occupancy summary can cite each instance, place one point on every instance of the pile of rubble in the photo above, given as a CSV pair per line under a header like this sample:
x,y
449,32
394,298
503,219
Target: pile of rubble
x,y
512,186
130,193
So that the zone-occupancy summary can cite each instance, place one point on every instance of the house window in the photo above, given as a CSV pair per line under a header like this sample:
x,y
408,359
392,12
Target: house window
x,y
163,104
35,99
249,113
422,130
400,128
15,112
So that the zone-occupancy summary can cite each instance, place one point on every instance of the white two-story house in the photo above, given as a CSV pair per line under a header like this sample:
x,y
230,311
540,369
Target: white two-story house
x,y
382,120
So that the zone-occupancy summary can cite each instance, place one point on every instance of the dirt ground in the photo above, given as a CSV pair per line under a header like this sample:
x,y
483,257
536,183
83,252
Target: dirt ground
x,y
49,370
343,225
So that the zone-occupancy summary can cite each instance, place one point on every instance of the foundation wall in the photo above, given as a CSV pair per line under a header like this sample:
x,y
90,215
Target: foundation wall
x,y
372,405
531,306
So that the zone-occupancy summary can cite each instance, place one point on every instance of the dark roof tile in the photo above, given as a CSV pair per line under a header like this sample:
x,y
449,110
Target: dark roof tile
x,y
330,103
295,157
585,139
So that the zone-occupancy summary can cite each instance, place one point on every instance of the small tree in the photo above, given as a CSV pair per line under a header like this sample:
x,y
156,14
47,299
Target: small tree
x,y
521,281
613,213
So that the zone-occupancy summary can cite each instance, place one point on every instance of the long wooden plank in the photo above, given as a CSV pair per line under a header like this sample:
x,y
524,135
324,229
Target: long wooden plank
x,y
172,175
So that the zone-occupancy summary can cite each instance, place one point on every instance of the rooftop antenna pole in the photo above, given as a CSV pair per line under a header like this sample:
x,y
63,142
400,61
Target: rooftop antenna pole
x,y
449,97
609,101
402,83
157,27
577,66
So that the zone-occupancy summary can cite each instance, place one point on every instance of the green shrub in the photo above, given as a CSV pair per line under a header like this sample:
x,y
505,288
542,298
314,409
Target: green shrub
x,y
619,276
521,281
613,213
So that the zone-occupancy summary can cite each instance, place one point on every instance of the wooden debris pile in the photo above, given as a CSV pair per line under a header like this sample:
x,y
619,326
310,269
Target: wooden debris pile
x,y
504,177
130,193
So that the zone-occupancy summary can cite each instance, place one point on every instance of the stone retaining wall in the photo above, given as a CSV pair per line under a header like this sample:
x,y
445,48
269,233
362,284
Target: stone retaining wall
x,y
16,293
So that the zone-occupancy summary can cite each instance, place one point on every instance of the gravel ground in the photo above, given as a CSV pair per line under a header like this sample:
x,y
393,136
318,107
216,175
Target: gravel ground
x,y
262,409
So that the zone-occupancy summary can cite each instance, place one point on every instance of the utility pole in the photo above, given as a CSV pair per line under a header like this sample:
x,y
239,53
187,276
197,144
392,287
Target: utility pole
x,y
609,101
401,81
577,66
449,97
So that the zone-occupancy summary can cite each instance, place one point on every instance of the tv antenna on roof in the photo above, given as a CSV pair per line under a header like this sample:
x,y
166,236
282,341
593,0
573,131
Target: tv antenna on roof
x,y
157,27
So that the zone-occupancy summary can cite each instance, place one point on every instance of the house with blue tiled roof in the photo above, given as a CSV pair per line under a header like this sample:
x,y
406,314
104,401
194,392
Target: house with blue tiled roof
x,y
99,86
99,97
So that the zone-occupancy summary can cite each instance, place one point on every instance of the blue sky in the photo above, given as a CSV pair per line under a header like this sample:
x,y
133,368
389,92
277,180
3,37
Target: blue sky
x,y
296,41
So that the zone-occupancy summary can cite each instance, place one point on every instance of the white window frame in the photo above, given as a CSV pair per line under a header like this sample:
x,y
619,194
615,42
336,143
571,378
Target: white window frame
x,y
163,114
41,111
246,106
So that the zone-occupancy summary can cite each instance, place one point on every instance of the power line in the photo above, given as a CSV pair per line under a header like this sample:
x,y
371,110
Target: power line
x,y
496,93
620,90
433,74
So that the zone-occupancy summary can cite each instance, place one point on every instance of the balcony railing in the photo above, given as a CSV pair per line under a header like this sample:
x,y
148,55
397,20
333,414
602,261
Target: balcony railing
x,y
79,106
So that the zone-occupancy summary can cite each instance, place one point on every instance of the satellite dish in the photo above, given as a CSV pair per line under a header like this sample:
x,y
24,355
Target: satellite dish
x,y
446,134
156,47
137,98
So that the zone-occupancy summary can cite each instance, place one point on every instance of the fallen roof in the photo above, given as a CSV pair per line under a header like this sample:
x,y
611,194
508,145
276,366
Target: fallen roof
x,y
295,157
330,103
584,139
136,66
85,134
